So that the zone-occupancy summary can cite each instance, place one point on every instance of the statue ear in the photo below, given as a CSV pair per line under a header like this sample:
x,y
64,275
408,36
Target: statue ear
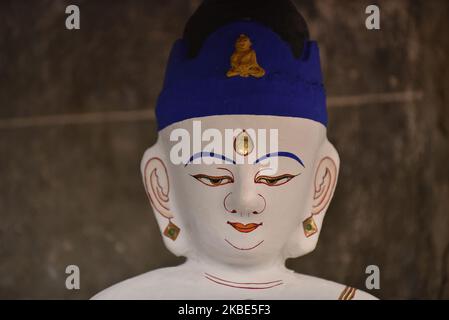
x,y
157,186
321,192
325,181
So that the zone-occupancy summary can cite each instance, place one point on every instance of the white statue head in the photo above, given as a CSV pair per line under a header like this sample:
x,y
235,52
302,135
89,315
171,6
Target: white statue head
x,y
242,172
245,213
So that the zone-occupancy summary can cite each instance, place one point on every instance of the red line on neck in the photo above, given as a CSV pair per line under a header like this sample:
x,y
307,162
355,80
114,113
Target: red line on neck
x,y
256,283
243,287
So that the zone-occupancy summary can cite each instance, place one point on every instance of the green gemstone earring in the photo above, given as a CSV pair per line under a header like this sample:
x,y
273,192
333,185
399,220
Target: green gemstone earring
x,y
309,226
171,231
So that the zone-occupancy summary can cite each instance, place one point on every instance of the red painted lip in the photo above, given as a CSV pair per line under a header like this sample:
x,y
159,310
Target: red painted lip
x,y
245,228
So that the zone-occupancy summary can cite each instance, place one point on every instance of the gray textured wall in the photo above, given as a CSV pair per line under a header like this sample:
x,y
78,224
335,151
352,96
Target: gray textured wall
x,y
75,118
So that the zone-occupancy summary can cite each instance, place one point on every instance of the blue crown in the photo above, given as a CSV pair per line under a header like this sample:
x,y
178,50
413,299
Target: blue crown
x,y
199,86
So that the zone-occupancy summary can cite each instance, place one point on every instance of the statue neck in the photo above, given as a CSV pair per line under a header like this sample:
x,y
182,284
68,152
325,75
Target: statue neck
x,y
268,274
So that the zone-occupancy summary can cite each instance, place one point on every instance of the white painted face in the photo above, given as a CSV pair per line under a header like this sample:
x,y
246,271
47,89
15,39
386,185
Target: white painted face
x,y
249,212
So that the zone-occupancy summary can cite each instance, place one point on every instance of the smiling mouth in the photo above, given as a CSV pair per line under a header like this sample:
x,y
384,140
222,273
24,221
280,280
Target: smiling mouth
x,y
245,228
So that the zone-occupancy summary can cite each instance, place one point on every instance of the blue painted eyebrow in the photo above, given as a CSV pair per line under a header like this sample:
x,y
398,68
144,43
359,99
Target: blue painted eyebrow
x,y
280,154
209,154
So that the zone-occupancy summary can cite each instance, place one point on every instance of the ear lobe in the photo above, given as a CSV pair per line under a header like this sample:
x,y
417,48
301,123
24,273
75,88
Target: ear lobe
x,y
157,186
325,179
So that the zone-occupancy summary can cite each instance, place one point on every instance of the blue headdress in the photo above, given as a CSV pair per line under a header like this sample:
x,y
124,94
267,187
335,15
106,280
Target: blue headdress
x,y
201,86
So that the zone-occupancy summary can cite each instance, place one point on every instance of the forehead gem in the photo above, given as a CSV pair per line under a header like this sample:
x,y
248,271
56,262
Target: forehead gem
x,y
243,144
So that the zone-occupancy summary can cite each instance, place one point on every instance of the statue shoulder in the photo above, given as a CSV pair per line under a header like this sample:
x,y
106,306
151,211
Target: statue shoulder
x,y
321,289
149,285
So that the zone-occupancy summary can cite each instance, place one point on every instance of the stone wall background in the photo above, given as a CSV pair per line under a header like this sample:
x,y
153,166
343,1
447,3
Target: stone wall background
x,y
75,119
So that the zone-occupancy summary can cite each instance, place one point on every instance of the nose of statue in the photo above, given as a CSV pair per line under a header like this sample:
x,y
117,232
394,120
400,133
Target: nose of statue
x,y
244,203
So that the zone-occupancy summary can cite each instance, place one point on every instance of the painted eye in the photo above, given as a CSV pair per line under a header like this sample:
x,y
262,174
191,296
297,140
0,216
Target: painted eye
x,y
274,181
213,181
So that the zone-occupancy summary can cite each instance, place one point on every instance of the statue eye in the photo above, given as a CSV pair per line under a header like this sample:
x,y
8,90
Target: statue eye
x,y
213,181
274,181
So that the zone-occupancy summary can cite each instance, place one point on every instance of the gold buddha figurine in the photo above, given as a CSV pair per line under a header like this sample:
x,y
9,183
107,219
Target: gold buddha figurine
x,y
244,61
